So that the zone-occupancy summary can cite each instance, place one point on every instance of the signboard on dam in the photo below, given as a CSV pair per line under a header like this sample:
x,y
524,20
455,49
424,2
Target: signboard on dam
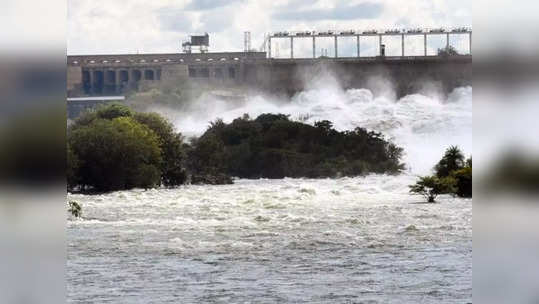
x,y
118,74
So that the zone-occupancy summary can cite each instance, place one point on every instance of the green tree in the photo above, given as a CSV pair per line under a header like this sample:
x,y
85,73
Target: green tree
x,y
109,111
325,125
452,160
207,161
431,186
453,175
116,154
113,111
173,170
207,155
463,178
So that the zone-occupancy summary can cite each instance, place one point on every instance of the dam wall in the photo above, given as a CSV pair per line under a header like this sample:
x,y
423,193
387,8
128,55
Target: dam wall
x,y
104,75
403,75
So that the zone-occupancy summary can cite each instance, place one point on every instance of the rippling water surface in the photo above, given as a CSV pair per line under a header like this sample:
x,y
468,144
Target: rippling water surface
x,y
348,240
270,241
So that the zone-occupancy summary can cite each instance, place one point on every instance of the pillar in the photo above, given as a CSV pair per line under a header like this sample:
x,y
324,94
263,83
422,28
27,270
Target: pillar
x,y
470,42
291,47
118,81
402,45
336,47
425,43
269,46
380,44
358,47
91,81
314,47
447,42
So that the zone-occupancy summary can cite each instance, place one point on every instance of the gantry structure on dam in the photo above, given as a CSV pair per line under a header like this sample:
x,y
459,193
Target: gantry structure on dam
x,y
358,34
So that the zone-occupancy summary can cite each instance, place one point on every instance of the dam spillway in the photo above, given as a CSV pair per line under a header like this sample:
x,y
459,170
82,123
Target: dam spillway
x,y
102,75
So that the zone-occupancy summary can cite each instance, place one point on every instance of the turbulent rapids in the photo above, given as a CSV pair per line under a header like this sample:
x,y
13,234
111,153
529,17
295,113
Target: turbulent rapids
x,y
361,239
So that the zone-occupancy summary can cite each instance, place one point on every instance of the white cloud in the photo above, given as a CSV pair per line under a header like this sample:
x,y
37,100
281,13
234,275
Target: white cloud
x,y
127,26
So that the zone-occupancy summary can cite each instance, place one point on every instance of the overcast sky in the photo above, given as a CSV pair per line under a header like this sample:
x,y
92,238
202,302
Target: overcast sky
x,y
158,26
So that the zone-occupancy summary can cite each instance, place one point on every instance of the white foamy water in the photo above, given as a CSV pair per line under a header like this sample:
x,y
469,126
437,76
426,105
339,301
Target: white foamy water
x,y
271,241
348,240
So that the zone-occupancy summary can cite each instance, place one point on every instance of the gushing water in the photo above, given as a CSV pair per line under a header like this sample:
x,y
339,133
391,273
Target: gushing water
x,y
347,240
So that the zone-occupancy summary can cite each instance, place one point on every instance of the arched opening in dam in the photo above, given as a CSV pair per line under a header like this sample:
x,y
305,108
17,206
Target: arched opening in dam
x,y
137,75
98,82
124,76
218,73
123,80
149,75
231,72
110,82
86,82
204,72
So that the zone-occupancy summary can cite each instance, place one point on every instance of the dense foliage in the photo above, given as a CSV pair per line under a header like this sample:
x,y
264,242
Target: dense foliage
x,y
453,175
172,146
272,146
452,160
116,154
114,148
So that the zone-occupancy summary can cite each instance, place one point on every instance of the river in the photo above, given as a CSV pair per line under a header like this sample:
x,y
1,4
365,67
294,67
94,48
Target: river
x,y
346,240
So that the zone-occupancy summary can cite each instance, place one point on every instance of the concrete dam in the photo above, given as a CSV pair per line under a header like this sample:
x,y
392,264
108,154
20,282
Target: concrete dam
x,y
118,74
113,75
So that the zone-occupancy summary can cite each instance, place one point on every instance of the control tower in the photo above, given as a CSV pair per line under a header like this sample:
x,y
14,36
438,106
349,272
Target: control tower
x,y
202,42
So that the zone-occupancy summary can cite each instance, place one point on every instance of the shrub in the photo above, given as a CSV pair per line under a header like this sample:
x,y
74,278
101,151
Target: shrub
x,y
431,186
74,209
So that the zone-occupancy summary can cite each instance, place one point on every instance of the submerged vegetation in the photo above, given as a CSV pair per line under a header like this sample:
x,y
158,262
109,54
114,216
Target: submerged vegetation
x,y
115,148
452,175
74,209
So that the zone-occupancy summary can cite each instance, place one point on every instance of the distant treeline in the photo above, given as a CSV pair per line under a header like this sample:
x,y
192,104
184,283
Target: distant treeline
x,y
115,148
